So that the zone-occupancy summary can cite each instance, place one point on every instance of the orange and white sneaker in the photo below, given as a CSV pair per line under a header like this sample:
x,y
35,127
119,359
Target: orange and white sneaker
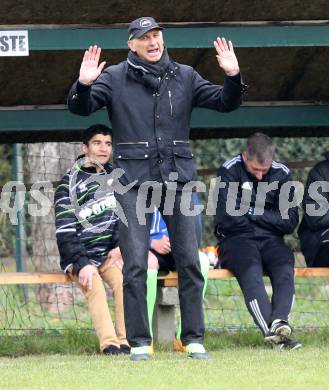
x,y
178,346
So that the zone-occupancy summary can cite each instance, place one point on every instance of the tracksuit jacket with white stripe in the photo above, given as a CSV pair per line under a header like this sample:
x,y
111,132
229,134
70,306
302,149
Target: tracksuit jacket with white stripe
x,y
251,225
86,223
313,229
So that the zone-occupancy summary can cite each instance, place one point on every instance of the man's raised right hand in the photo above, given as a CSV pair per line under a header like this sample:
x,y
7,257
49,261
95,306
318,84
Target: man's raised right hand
x,y
90,70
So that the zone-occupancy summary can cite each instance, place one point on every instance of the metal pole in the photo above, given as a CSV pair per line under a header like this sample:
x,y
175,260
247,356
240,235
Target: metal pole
x,y
20,242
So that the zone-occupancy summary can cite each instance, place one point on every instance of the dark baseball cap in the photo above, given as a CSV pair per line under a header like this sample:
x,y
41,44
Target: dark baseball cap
x,y
140,26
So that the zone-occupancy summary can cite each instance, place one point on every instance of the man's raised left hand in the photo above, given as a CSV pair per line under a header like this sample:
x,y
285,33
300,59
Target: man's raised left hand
x,y
226,57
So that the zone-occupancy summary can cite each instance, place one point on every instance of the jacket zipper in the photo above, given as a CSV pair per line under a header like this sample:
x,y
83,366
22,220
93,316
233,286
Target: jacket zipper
x,y
134,143
170,102
176,141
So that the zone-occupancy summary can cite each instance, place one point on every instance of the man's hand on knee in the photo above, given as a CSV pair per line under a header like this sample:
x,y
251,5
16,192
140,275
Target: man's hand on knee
x,y
86,276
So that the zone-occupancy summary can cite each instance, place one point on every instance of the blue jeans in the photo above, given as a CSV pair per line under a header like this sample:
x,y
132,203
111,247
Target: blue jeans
x,y
134,245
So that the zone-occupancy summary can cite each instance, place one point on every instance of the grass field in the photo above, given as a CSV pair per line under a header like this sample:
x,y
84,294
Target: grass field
x,y
42,350
238,360
237,368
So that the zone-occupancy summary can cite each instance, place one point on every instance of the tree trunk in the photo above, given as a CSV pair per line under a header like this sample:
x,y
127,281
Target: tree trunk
x,y
47,162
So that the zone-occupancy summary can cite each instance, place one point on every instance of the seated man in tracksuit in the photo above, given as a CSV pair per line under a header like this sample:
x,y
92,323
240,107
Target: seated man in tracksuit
x,y
313,231
250,234
87,236
161,260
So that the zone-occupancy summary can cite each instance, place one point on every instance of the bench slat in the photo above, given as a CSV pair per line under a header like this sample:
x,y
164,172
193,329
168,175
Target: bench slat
x,y
169,280
311,271
33,278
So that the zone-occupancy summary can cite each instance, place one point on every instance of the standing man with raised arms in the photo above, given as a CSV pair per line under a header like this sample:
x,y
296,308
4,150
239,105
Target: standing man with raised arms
x,y
149,99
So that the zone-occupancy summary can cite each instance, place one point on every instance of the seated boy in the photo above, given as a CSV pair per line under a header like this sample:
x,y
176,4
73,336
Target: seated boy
x,y
87,236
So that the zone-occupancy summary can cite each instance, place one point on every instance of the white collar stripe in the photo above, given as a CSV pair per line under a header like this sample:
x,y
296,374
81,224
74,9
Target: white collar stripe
x,y
233,161
278,165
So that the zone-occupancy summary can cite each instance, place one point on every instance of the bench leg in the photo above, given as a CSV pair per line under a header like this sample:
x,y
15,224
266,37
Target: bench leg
x,y
164,314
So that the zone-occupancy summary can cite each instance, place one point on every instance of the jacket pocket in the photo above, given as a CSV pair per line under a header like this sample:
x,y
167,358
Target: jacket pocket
x,y
184,162
133,158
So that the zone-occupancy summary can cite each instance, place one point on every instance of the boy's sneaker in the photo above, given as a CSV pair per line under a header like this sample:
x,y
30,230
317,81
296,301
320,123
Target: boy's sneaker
x,y
140,353
289,345
196,351
124,349
111,350
279,331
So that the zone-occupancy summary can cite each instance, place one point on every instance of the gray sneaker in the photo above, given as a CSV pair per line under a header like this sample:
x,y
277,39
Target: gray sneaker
x,y
138,354
137,357
196,351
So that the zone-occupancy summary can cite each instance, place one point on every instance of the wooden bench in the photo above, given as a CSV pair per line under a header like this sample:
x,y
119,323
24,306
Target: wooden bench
x,y
167,295
169,280
167,298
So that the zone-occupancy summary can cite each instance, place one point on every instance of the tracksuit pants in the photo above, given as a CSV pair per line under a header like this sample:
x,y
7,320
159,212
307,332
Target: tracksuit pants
x,y
248,259
322,256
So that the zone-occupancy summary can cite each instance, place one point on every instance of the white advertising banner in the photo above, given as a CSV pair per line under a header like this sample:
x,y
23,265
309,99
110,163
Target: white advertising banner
x,y
14,43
